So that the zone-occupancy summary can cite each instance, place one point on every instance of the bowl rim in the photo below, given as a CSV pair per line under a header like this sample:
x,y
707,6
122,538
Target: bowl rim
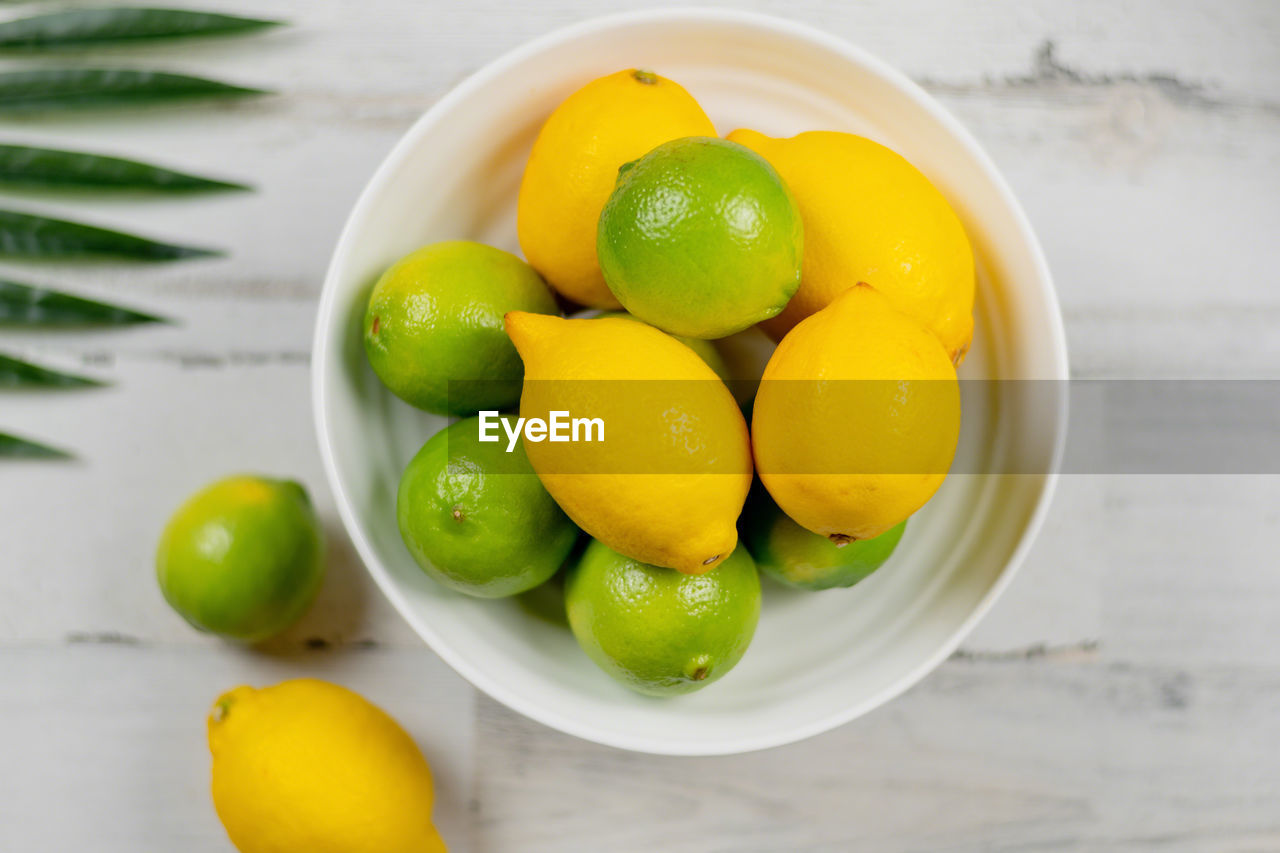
x,y
409,143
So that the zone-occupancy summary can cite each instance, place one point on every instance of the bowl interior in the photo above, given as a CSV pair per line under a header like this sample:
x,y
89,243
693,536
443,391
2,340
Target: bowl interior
x,y
817,659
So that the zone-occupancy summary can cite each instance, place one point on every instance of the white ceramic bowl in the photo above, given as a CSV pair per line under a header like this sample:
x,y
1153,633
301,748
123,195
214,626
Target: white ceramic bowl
x,y
818,659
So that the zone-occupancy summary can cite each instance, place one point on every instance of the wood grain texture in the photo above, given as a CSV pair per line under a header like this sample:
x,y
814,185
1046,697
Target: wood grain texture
x,y
105,748
1053,752
1122,695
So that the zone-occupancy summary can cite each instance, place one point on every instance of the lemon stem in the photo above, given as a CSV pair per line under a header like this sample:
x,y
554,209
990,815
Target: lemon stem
x,y
221,709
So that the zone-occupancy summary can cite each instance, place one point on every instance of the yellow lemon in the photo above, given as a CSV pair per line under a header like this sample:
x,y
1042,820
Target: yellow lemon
x,y
308,765
857,418
574,166
871,216
671,468
705,349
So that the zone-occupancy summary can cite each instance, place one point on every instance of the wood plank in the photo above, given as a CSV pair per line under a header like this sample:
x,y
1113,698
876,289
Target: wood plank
x,y
1096,127
84,560
1190,572
406,50
1050,753
104,743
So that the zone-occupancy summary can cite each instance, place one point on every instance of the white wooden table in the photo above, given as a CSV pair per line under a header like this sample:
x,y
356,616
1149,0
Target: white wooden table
x,y
1124,695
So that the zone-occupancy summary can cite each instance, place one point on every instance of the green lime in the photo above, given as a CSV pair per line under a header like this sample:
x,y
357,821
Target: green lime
x,y
803,559
656,630
706,350
701,238
433,327
243,558
476,518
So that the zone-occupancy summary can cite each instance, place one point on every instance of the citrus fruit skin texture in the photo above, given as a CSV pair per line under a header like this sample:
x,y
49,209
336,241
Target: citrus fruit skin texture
x,y
476,518
242,558
874,398
668,481
701,238
804,560
660,632
871,216
706,350
433,327
308,765
574,166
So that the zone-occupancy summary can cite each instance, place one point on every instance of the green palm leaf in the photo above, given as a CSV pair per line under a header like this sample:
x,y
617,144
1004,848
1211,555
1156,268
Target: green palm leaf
x,y
74,88
30,235
94,27
27,305
35,236
30,166
16,373
13,447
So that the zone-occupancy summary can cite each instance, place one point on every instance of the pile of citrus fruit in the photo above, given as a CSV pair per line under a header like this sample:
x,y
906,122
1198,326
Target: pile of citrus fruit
x,y
303,765
649,238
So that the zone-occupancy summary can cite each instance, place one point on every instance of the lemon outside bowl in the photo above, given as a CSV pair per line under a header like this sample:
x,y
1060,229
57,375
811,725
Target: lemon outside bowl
x,y
818,660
